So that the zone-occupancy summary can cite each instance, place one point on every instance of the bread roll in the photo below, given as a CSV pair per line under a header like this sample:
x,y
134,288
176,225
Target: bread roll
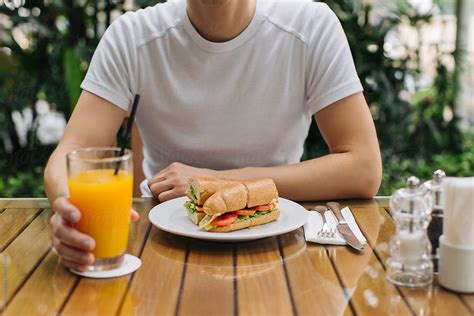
x,y
260,192
205,187
230,198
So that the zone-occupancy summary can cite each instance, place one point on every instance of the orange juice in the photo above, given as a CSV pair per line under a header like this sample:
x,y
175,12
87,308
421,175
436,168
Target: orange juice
x,y
104,200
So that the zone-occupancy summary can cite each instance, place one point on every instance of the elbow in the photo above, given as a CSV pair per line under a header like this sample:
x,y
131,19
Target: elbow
x,y
369,178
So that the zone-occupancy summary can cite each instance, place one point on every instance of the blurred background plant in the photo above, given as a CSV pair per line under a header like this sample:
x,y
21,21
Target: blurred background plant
x,y
411,82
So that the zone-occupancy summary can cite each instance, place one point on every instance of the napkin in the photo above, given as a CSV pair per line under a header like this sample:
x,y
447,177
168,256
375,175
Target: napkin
x,y
315,223
458,224
144,189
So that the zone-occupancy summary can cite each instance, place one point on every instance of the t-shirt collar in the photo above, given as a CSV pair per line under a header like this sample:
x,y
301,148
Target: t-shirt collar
x,y
214,47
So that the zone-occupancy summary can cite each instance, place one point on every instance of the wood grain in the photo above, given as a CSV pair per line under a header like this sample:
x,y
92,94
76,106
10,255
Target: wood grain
x,y
273,276
434,300
209,273
312,277
4,203
104,296
48,286
370,203
155,287
43,202
468,299
23,254
362,274
13,221
261,284
25,203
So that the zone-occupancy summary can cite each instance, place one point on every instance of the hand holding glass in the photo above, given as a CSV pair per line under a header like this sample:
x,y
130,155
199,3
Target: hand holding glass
x,y
104,199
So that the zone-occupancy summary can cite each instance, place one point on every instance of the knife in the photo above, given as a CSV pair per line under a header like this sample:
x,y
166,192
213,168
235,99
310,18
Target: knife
x,y
343,228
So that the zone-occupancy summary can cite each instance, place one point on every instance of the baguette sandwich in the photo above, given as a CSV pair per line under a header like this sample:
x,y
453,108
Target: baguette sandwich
x,y
240,205
199,190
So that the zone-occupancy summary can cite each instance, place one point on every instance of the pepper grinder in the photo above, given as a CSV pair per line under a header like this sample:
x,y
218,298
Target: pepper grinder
x,y
410,249
435,228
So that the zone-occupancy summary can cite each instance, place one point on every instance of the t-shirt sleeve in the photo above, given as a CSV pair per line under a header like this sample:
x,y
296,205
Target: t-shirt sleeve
x,y
331,74
112,71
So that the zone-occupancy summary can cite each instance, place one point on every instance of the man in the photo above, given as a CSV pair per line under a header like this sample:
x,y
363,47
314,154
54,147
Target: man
x,y
228,89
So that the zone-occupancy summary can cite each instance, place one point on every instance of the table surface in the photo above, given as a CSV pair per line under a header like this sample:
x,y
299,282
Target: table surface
x,y
280,275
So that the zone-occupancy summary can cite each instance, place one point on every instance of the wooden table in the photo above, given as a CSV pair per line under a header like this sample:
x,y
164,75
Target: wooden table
x,y
179,276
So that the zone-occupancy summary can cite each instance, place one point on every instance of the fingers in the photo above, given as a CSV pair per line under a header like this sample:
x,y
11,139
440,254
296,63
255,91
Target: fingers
x,y
159,176
70,236
171,182
66,209
155,179
74,255
171,194
160,187
73,265
134,216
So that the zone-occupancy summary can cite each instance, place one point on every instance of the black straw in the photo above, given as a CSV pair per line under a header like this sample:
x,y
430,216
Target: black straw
x,y
128,131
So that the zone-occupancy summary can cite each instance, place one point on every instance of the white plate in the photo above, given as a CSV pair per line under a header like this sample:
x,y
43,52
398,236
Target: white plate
x,y
171,216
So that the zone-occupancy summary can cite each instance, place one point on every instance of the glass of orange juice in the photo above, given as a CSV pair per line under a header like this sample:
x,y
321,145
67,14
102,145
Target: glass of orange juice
x,y
101,187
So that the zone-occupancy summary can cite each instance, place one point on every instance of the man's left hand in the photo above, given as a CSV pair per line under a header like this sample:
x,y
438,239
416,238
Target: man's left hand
x,y
172,182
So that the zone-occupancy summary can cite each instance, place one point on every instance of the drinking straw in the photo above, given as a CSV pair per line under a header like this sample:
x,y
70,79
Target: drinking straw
x,y
128,131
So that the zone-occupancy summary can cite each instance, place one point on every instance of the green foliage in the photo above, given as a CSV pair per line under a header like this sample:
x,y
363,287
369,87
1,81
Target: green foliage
x,y
22,173
23,184
73,75
405,127
396,170
47,62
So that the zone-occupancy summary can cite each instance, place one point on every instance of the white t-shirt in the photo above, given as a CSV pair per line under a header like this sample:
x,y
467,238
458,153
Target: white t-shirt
x,y
245,102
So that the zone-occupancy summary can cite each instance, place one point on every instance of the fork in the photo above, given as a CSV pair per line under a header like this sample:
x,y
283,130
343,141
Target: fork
x,y
324,232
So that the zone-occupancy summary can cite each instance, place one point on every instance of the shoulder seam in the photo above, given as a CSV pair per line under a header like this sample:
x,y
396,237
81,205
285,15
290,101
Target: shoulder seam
x,y
286,29
159,35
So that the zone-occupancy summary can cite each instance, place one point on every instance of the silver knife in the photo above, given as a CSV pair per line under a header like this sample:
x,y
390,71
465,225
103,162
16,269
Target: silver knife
x,y
343,228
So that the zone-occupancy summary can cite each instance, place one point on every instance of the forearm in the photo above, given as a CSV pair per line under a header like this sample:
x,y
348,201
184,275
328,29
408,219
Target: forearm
x,y
335,176
94,123
55,174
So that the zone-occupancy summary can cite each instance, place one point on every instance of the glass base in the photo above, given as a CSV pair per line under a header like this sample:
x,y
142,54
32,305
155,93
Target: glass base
x,y
410,279
104,264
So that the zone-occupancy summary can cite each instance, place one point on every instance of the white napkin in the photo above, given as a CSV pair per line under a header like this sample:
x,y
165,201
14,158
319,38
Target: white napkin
x,y
145,190
458,226
315,224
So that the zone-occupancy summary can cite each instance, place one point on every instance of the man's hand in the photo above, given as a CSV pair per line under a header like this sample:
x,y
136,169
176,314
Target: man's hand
x,y
73,247
172,181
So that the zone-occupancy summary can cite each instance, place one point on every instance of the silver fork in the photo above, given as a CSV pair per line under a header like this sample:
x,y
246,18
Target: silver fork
x,y
325,231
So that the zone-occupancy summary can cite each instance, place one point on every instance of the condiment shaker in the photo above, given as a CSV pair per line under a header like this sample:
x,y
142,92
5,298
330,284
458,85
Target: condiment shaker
x,y
435,228
410,249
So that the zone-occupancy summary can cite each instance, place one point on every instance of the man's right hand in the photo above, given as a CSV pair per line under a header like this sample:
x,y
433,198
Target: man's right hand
x,y
73,247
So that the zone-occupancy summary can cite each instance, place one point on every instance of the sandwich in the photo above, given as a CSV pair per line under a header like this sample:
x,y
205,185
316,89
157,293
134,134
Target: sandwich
x,y
240,205
199,190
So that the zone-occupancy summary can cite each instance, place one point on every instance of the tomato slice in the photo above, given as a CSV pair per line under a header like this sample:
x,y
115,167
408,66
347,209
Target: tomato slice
x,y
199,208
264,207
225,219
246,212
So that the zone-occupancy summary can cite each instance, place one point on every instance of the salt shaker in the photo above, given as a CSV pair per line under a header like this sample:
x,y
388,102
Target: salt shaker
x,y
410,249
435,228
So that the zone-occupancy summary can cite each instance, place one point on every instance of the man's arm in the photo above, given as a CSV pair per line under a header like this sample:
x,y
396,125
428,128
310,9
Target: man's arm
x,y
353,169
94,123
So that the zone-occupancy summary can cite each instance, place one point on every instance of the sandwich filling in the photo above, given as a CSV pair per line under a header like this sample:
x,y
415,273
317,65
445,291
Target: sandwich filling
x,y
192,195
192,205
212,221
